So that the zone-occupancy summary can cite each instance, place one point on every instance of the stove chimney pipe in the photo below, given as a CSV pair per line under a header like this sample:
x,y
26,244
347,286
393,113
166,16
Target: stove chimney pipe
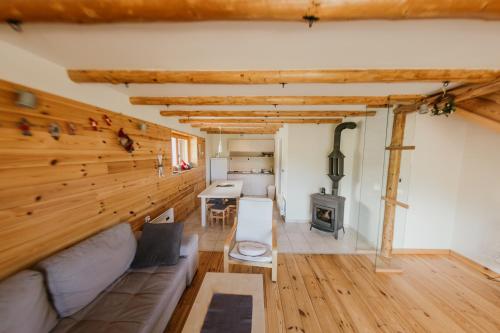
x,y
336,170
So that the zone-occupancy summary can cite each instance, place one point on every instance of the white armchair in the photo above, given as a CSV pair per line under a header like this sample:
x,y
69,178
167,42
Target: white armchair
x,y
253,225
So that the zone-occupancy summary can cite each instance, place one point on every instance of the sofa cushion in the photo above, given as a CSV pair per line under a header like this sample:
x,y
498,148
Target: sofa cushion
x,y
134,303
78,274
265,257
159,244
189,245
24,306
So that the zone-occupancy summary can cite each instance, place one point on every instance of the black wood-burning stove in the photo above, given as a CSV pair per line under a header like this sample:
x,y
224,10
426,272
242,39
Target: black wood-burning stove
x,y
327,212
328,209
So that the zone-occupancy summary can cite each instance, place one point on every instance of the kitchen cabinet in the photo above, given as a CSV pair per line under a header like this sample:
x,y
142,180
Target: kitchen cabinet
x,y
251,146
253,183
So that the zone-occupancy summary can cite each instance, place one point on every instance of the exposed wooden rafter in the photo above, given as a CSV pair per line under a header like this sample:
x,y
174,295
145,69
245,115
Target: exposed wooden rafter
x,y
283,76
227,125
277,100
277,114
478,119
107,11
262,121
468,91
245,130
482,107
475,102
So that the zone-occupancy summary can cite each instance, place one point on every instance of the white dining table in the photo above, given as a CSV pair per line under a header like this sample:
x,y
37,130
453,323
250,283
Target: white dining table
x,y
223,189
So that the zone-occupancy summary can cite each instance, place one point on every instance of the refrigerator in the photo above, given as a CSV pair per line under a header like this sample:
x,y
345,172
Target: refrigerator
x,y
218,169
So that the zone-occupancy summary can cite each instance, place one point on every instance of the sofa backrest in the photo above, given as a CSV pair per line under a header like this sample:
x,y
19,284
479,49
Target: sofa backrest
x,y
24,306
78,274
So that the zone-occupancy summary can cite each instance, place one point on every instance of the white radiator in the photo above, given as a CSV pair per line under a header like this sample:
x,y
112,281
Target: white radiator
x,y
165,217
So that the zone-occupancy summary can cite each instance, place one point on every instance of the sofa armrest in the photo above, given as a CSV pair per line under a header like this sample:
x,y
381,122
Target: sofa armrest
x,y
189,245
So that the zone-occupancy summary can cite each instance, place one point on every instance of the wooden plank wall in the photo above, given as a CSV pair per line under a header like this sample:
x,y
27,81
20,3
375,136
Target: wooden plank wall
x,y
54,193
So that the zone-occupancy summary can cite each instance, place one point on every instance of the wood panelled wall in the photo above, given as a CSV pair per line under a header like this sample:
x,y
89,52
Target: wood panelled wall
x,y
54,193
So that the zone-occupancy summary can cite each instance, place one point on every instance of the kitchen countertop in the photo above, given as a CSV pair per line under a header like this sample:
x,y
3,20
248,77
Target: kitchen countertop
x,y
249,173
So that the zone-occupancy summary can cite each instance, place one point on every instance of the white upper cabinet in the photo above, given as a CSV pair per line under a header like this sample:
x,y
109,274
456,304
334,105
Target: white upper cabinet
x,y
251,146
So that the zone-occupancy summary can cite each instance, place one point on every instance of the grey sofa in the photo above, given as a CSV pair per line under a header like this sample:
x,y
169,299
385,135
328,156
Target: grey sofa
x,y
90,287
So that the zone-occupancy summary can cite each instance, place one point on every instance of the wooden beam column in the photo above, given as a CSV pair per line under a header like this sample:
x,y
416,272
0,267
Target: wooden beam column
x,y
391,192
108,11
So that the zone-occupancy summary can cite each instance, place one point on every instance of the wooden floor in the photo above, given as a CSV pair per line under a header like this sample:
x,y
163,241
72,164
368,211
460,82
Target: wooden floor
x,y
341,293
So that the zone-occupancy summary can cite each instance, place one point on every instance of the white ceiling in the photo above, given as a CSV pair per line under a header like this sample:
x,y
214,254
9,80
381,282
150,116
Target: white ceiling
x,y
267,45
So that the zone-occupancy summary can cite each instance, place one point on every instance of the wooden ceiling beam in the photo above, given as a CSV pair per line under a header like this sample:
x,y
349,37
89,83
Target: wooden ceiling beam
x,y
262,121
478,119
228,125
481,107
469,91
245,130
209,113
277,100
283,76
109,11
495,97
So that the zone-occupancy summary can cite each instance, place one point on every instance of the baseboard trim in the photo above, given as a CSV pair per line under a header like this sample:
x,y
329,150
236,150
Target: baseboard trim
x,y
403,251
287,220
492,275
421,251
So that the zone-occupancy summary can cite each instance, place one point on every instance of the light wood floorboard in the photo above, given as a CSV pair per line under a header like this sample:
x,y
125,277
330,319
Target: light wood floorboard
x,y
341,293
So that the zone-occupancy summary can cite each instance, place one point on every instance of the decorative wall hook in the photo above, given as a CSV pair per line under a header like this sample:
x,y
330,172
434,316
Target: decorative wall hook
x,y
310,19
143,127
93,123
161,172
24,125
107,120
15,24
125,141
71,129
55,131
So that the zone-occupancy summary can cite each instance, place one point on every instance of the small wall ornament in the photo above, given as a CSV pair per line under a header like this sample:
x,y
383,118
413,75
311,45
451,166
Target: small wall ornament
x,y
125,141
107,120
71,128
161,171
24,125
55,131
93,123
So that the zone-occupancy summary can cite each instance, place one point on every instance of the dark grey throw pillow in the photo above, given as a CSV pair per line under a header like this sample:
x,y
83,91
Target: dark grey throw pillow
x,y
160,244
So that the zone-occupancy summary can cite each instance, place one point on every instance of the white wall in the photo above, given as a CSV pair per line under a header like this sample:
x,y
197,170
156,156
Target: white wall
x,y
307,149
22,67
476,231
435,172
454,192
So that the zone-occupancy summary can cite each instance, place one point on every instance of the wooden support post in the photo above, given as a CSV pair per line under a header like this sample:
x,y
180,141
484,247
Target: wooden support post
x,y
398,130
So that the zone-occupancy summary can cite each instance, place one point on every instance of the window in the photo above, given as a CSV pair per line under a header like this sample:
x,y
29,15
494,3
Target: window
x,y
181,152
